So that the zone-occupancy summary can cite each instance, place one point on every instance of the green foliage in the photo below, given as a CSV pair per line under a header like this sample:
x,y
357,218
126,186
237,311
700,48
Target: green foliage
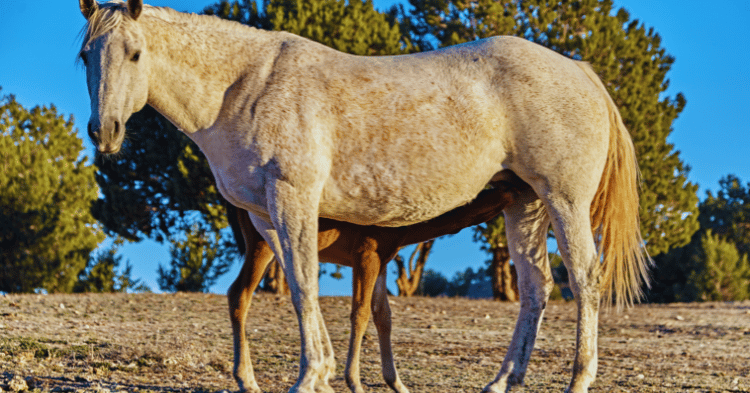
x,y
101,274
719,272
197,262
354,27
462,281
728,213
491,234
714,265
336,273
630,61
46,191
432,284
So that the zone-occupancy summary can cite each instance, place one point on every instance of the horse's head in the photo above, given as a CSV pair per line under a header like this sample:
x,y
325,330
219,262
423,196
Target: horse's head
x,y
115,55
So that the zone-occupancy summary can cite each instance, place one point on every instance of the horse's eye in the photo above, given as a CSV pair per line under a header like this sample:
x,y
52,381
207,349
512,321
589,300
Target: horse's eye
x,y
83,59
136,56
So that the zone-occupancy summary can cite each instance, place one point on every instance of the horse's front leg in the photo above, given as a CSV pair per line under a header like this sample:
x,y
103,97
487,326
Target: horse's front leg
x,y
294,233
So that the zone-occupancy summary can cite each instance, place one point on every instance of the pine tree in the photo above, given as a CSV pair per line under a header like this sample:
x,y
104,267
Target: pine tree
x,y
101,273
433,284
630,61
719,272
728,213
46,191
197,262
353,27
689,273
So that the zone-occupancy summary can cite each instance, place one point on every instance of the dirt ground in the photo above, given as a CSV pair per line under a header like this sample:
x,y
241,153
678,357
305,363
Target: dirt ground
x,y
182,342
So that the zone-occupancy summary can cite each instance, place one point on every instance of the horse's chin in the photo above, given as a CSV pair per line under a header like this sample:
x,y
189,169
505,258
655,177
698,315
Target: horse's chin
x,y
109,149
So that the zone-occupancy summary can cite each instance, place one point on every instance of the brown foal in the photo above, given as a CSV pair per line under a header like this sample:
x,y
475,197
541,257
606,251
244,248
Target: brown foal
x,y
367,250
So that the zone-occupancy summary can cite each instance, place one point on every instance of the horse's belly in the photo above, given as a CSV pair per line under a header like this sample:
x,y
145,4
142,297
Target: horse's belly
x,y
385,198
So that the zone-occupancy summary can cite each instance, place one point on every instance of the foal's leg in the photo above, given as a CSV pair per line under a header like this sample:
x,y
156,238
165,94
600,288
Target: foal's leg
x,y
257,257
364,275
381,311
294,235
526,226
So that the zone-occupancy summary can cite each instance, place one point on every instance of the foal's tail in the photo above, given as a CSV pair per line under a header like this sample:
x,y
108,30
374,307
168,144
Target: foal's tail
x,y
614,213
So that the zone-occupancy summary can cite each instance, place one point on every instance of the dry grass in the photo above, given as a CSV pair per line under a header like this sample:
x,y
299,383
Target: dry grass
x,y
182,342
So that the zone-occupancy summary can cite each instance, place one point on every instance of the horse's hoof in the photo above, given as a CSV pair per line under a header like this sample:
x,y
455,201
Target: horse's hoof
x,y
249,387
496,387
323,388
399,387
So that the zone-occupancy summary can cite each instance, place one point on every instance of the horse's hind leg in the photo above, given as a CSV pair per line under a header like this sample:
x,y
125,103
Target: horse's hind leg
x,y
382,315
257,256
364,275
526,226
572,225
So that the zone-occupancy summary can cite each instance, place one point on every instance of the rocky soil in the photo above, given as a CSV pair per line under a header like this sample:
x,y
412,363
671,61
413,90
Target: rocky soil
x,y
182,342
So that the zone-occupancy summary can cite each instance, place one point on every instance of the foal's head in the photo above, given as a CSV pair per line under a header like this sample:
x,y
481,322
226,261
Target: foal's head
x,y
115,55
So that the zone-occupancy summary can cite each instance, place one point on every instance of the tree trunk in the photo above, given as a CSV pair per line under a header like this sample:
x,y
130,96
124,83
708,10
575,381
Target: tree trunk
x,y
504,278
275,282
409,276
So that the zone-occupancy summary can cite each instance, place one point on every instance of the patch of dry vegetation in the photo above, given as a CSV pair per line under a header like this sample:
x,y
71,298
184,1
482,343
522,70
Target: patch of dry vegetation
x,y
182,342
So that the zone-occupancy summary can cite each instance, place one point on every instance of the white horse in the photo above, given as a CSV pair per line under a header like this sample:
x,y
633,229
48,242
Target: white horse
x,y
294,130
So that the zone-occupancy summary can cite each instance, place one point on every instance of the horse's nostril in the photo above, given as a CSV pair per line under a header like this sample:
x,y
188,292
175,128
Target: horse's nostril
x,y
117,127
92,133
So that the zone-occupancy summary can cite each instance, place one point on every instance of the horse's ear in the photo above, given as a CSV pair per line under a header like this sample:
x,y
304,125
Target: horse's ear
x,y
135,7
88,7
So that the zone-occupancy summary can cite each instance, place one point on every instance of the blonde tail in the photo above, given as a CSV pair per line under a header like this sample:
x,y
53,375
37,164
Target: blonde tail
x,y
614,214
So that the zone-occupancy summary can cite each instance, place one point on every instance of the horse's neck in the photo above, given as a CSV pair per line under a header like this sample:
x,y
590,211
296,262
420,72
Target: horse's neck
x,y
193,66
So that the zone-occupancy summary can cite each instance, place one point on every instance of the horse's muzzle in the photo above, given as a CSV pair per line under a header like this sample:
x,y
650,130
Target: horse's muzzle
x,y
108,138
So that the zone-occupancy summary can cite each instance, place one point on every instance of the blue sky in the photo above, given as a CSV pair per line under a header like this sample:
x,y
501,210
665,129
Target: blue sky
x,y
709,41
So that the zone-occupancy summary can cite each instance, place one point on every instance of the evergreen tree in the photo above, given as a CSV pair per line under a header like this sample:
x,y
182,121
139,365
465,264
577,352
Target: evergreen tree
x,y
432,284
354,27
728,213
719,272
197,262
713,261
101,274
630,61
460,284
46,191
